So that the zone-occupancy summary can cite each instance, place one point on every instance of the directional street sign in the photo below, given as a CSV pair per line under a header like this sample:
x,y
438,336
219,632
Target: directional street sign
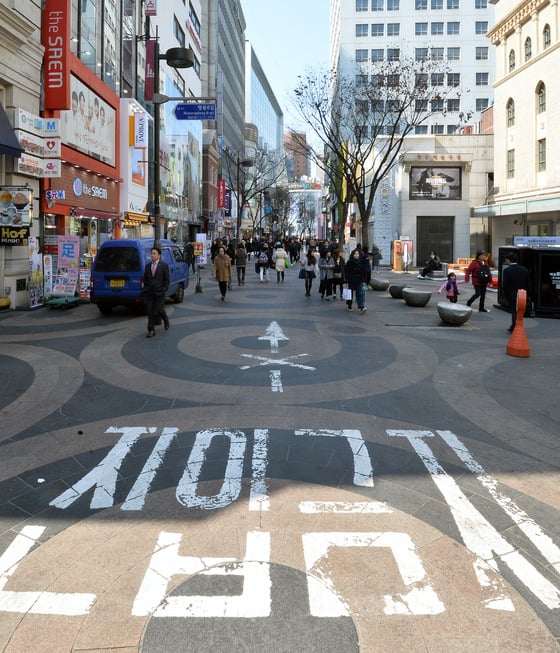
x,y
196,111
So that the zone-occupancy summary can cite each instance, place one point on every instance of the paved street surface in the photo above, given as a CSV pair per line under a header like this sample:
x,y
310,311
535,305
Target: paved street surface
x,y
276,473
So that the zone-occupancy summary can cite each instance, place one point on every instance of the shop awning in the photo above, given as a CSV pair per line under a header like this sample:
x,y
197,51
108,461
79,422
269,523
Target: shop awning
x,y
9,143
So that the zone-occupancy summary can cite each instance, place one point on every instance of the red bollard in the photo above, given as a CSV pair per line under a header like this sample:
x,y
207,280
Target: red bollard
x,y
518,345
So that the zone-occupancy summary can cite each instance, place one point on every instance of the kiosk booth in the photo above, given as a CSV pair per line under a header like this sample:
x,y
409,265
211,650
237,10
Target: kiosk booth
x,y
543,263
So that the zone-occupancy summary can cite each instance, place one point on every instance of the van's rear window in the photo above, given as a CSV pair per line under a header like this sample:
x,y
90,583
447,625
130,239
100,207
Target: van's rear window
x,y
118,259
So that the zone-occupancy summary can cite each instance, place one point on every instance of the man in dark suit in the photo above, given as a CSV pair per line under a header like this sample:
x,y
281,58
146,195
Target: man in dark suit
x,y
156,283
515,277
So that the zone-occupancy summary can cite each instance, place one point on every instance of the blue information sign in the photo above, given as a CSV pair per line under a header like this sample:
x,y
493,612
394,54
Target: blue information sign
x,y
196,111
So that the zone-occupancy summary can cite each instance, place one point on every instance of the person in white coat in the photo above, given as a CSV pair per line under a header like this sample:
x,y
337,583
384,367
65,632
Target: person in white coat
x,y
279,259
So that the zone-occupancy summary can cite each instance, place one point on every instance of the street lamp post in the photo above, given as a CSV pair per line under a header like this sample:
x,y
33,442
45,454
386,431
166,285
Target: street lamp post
x,y
176,58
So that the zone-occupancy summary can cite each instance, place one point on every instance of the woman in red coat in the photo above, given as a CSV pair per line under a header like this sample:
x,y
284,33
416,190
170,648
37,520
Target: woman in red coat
x,y
481,277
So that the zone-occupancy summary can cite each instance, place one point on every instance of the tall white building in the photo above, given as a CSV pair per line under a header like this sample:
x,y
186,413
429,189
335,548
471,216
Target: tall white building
x,y
450,31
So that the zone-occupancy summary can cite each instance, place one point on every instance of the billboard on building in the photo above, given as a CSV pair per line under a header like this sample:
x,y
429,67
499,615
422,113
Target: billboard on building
x,y
429,183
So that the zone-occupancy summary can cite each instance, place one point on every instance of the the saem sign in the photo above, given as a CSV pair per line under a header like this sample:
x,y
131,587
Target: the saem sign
x,y
55,37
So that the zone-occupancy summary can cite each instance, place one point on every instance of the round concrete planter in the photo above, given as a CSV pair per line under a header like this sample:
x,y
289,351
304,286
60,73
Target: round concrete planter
x,y
455,314
414,297
396,290
378,284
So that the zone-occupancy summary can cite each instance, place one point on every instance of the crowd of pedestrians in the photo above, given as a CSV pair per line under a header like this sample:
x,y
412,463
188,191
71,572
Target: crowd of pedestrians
x,y
339,276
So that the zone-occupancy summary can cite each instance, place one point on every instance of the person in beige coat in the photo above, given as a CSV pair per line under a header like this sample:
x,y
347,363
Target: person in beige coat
x,y
221,269
279,257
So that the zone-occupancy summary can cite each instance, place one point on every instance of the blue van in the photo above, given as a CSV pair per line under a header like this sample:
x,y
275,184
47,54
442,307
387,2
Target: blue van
x,y
117,273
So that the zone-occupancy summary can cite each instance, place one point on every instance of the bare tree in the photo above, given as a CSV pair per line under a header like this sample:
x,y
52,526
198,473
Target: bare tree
x,y
361,123
251,178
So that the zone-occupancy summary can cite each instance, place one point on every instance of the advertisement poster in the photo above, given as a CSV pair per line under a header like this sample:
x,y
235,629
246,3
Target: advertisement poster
x,y
435,183
200,249
35,281
68,268
15,206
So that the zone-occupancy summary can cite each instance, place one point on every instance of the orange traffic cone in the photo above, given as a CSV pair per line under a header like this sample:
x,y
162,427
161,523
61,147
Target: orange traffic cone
x,y
518,344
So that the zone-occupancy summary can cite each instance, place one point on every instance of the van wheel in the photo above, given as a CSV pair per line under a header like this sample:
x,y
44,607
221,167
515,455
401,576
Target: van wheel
x,y
179,295
105,309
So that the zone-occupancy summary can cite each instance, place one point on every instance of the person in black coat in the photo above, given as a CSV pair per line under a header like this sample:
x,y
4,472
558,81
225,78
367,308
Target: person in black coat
x,y
515,277
156,284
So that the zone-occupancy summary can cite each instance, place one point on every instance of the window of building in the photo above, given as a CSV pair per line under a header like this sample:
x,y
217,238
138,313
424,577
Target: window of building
x,y
362,5
546,37
453,54
511,60
421,80
393,5
453,105
453,4
453,79
481,27
378,106
361,30
528,49
437,79
377,5
393,29
393,106
178,32
541,98
361,56
420,105
377,55
362,107
421,130
480,4
481,53
453,28
393,80
377,80
436,29
437,129
377,29
542,154
436,105
361,80
510,113
421,29
393,54
421,5
195,22
437,54
510,164
481,79
481,103
421,54
436,4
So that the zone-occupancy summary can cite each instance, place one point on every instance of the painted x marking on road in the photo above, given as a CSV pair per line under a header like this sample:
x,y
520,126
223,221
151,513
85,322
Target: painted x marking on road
x,y
277,361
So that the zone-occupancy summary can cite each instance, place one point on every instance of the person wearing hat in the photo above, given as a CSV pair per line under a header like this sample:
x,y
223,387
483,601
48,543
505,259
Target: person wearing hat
x,y
515,277
481,277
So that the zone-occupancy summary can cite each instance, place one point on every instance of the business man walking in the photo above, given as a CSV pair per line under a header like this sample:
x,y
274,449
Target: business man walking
x,y
156,283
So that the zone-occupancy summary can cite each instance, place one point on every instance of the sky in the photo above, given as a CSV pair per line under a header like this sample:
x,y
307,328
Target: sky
x,y
289,38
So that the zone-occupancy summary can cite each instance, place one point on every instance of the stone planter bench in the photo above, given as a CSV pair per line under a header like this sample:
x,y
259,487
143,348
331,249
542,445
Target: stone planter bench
x,y
417,298
396,290
379,284
455,314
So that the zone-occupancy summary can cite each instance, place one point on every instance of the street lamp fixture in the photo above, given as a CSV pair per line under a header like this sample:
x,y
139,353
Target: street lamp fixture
x,y
246,163
176,58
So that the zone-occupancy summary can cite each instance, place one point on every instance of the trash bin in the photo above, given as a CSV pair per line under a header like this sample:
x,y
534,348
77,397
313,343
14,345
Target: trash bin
x,y
543,264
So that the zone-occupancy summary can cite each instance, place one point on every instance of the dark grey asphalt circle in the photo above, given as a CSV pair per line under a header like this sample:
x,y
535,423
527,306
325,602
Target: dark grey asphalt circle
x,y
289,628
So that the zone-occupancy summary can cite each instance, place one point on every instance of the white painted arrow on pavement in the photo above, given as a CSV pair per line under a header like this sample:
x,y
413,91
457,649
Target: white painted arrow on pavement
x,y
274,335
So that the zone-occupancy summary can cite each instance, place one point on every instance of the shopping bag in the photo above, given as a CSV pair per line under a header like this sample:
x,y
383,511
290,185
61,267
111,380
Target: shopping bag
x,y
302,274
287,263
347,294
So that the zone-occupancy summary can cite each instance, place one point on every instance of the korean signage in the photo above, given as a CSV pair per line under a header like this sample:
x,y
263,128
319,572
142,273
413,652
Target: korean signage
x,y
151,8
40,139
221,193
149,74
55,37
435,183
195,111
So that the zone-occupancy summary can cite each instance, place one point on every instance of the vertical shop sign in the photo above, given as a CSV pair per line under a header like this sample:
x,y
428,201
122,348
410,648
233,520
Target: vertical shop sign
x,y
221,193
55,37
